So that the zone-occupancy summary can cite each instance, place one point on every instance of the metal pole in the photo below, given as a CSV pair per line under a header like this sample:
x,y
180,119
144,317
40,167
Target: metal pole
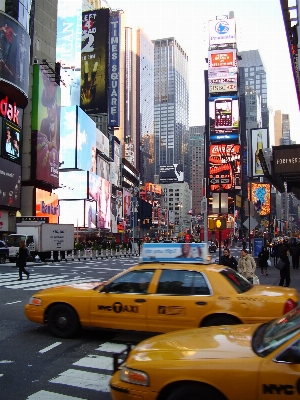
x,y
220,234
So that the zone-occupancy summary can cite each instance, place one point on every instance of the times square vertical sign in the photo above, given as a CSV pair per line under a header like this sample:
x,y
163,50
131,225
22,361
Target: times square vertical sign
x,y
114,70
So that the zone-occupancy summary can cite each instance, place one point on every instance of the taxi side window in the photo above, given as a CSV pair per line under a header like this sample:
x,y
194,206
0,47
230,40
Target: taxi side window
x,y
132,282
291,355
182,283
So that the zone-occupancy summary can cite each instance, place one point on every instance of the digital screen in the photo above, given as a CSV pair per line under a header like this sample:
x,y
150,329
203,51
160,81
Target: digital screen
x,y
224,167
10,178
72,212
86,142
259,141
46,205
11,141
90,214
171,173
222,31
100,193
67,156
73,185
223,114
222,58
260,196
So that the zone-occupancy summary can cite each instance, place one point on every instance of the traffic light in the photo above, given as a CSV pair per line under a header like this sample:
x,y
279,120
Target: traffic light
x,y
220,223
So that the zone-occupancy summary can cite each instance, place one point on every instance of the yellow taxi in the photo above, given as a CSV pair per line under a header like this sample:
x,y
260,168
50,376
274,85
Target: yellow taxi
x,y
249,362
168,290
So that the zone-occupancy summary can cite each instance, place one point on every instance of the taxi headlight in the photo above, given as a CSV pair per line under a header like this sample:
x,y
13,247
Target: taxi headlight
x,y
34,301
134,376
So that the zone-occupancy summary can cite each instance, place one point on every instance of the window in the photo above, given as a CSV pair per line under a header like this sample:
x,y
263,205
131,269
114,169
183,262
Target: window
x,y
182,283
132,282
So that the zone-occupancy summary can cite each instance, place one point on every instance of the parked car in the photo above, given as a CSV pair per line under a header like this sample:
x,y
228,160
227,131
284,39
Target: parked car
x,y
3,252
225,362
161,296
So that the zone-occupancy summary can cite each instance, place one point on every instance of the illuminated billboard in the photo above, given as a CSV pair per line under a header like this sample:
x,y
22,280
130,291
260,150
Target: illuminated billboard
x,y
68,49
260,196
115,166
11,141
259,141
102,142
114,69
14,59
67,156
90,220
223,114
222,71
86,142
10,177
222,31
100,193
73,185
46,205
45,123
224,167
72,212
171,173
94,61
221,59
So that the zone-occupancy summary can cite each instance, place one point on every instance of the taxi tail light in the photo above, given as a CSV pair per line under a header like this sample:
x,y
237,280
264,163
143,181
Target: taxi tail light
x,y
289,305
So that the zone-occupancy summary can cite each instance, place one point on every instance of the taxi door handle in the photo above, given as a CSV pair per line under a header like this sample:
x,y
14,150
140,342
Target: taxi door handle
x,y
201,303
140,300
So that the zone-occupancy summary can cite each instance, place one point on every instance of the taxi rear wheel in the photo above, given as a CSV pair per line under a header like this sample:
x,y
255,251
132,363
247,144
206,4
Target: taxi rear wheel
x,y
63,321
216,320
195,392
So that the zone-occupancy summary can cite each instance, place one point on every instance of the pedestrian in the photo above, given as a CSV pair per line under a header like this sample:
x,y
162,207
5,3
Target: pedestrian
x,y
228,260
285,276
263,257
21,260
246,265
294,252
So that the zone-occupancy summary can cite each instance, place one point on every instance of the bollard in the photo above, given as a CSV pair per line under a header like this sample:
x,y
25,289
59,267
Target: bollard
x,y
84,254
72,255
91,254
78,255
59,256
96,254
51,257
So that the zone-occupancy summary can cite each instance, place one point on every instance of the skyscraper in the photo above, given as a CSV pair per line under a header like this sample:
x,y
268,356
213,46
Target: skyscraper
x,y
171,104
282,133
197,165
256,80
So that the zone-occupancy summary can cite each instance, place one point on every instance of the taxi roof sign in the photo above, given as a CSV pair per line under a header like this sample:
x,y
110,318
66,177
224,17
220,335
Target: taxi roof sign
x,y
175,252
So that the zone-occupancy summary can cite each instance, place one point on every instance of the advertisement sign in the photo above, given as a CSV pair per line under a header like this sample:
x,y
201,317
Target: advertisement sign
x,y
225,137
116,172
3,220
126,203
102,142
224,167
45,122
223,114
222,31
221,59
100,193
171,173
72,212
114,69
10,178
14,56
10,110
219,85
94,61
86,142
72,185
286,159
46,205
90,220
169,252
103,168
11,141
222,71
260,196
67,156
259,141
257,246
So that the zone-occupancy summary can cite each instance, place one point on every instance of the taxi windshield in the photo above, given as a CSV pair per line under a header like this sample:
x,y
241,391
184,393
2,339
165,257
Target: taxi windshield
x,y
269,337
240,284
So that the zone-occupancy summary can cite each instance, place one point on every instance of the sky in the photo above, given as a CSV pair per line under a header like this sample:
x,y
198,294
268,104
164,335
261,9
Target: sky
x,y
259,26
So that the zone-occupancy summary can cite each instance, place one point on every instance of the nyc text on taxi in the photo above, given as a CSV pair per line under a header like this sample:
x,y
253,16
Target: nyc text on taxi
x,y
165,292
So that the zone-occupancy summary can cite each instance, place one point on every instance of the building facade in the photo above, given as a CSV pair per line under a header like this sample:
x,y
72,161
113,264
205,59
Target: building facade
x,y
197,166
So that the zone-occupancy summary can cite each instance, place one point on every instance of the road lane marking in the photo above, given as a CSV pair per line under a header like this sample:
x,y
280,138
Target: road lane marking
x,y
50,347
111,347
98,362
84,380
13,302
45,395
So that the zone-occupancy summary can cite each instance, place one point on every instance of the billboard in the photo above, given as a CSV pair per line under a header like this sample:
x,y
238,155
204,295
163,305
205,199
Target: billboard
x,y
222,31
102,142
221,60
14,56
67,155
261,197
223,114
94,61
46,205
115,166
45,123
10,176
224,167
86,142
100,193
103,169
286,159
11,141
222,71
73,185
171,173
72,212
259,141
68,49
114,69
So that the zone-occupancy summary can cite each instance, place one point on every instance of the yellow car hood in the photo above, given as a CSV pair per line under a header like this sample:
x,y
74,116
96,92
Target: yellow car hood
x,y
75,287
219,342
273,291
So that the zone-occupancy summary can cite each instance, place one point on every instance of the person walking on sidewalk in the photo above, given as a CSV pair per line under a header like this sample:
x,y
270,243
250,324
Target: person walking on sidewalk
x,y
263,257
21,260
246,265
285,271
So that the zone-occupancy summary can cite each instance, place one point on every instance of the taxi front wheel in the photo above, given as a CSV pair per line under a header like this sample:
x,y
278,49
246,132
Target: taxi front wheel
x,y
63,321
195,392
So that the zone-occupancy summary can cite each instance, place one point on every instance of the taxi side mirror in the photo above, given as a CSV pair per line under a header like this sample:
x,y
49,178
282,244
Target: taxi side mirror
x,y
105,288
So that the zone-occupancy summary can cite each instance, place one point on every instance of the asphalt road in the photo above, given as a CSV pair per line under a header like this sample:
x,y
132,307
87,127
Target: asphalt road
x,y
35,365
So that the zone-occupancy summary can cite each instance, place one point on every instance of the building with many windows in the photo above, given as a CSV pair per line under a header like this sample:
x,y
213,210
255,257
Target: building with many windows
x,y
197,166
171,104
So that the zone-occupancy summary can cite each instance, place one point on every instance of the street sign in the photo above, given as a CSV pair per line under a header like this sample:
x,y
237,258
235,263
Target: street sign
x,y
217,181
253,223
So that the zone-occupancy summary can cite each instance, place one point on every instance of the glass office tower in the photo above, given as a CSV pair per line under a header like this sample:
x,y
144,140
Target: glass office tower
x,y
171,104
